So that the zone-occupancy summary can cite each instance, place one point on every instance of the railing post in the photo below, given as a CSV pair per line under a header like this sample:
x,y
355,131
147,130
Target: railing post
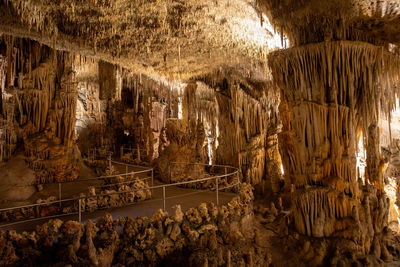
x,y
126,169
194,172
163,189
80,209
59,192
109,161
152,181
216,189
121,153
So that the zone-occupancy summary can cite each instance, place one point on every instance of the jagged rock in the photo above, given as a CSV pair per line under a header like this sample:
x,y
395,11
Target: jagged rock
x,y
207,227
142,240
178,216
151,255
76,230
234,232
7,251
204,212
212,210
165,247
193,216
91,231
159,216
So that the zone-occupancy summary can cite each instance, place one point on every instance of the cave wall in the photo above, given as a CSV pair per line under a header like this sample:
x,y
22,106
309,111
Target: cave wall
x,y
144,108
8,137
248,126
118,108
90,108
114,107
38,108
225,121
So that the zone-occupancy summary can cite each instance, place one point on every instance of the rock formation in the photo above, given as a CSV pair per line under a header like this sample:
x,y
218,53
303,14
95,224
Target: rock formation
x,y
39,101
330,91
290,94
143,240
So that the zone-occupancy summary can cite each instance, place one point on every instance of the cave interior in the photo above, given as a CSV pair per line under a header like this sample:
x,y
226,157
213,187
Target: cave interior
x,y
199,133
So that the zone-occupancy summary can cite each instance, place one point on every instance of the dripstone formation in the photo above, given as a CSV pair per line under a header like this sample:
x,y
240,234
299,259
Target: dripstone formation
x,y
274,125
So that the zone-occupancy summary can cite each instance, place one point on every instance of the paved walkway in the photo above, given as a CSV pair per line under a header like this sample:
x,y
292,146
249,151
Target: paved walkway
x,y
186,197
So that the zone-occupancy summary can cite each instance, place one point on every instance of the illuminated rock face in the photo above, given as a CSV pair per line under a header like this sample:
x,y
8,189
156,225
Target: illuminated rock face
x,y
39,96
326,93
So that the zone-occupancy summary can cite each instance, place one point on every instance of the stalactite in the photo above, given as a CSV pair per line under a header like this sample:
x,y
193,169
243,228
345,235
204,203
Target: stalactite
x,y
9,57
242,141
108,80
38,112
3,64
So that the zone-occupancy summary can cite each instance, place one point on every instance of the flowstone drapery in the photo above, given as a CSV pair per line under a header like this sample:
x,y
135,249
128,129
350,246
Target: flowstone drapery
x,y
39,97
330,90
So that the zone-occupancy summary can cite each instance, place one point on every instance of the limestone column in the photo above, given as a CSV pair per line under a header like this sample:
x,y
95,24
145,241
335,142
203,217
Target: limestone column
x,y
327,90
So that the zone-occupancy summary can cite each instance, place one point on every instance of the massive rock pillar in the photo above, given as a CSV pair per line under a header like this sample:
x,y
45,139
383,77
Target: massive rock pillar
x,y
328,91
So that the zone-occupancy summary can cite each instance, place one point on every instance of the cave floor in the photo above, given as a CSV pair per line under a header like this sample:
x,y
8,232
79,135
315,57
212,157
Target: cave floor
x,y
186,197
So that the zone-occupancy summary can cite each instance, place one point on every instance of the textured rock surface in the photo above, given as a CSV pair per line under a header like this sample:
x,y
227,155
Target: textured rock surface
x,y
140,241
189,81
176,39
12,189
40,98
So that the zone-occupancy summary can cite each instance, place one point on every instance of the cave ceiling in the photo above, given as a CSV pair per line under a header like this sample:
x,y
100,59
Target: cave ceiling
x,y
180,39
176,39
308,21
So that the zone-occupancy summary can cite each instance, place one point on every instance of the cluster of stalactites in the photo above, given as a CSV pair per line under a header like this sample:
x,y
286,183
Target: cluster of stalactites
x,y
313,21
23,56
326,212
249,115
35,97
36,19
31,88
206,103
329,92
30,80
360,76
147,104
8,136
246,123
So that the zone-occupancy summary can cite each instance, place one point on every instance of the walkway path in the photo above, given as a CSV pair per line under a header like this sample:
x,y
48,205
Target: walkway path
x,y
186,197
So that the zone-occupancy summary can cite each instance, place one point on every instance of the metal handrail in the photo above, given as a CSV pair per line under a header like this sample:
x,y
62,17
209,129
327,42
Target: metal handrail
x,y
146,169
131,165
79,199
110,161
122,183
202,164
